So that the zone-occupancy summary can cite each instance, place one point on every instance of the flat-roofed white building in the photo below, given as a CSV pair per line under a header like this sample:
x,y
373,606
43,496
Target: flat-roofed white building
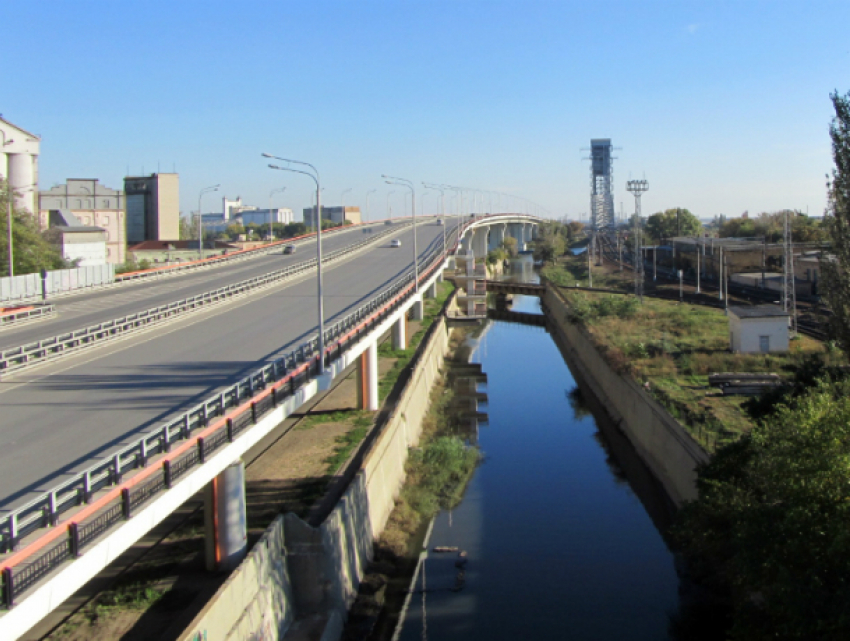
x,y
759,328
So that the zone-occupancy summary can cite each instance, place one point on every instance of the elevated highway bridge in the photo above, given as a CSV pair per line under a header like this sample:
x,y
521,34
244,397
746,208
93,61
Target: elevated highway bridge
x,y
86,411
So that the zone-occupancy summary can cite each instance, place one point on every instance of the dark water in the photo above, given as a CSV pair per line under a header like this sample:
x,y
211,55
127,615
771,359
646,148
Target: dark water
x,y
556,522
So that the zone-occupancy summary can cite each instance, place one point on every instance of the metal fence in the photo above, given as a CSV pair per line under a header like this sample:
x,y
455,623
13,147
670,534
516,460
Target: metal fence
x,y
257,394
32,286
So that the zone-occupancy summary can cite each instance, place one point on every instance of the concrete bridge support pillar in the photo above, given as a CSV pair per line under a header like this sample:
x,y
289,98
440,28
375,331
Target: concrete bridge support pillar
x,y
367,379
439,275
417,311
225,521
466,242
431,291
399,333
497,235
479,242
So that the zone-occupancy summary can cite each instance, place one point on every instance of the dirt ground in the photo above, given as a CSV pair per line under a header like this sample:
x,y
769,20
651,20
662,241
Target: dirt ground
x,y
155,590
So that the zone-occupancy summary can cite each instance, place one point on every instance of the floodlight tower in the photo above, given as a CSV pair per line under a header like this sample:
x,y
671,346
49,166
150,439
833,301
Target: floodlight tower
x,y
602,214
789,291
637,187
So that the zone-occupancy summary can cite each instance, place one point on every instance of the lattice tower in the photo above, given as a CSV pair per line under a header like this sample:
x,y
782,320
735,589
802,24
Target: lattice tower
x,y
602,214
789,291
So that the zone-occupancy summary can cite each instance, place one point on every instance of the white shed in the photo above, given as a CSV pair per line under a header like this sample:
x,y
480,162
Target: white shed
x,y
760,328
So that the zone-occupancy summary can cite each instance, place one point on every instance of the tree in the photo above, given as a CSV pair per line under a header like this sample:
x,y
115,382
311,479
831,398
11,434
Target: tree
x,y
835,269
31,250
772,519
550,243
510,245
188,227
673,222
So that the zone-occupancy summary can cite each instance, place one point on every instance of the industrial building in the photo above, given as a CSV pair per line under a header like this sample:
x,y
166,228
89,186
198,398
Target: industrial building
x,y
153,207
19,150
92,204
334,214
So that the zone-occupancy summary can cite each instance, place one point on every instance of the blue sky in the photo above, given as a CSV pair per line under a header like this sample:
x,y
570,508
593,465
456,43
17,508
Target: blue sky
x,y
723,106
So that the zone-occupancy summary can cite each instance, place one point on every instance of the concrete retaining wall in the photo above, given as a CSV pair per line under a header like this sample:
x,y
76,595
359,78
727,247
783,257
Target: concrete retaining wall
x,y
314,572
661,441
256,600
327,563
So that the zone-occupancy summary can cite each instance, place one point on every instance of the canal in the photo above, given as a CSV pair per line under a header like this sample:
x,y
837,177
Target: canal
x,y
559,533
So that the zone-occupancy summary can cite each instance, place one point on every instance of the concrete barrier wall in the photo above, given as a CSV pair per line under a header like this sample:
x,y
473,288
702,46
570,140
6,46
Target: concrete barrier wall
x,y
256,600
327,563
316,571
661,441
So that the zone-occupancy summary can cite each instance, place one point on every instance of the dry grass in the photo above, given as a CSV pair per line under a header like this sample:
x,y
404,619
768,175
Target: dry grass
x,y
674,347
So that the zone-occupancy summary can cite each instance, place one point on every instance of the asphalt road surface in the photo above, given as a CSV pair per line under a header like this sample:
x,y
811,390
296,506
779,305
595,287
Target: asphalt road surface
x,y
83,310
62,417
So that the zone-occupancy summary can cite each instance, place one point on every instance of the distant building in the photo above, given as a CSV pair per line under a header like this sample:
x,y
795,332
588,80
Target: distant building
x,y
83,245
153,207
176,251
91,204
19,150
261,216
758,328
334,214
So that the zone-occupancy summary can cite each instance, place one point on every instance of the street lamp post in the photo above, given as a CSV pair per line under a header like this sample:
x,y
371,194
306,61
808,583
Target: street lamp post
x,y
342,200
403,182
442,191
368,193
205,190
389,208
321,309
272,193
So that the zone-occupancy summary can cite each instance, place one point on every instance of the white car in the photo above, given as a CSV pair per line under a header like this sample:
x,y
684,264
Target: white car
x,y
395,243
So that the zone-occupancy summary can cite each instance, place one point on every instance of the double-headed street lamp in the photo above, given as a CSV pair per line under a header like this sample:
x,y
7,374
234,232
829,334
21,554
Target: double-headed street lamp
x,y
205,190
403,182
442,191
321,309
272,193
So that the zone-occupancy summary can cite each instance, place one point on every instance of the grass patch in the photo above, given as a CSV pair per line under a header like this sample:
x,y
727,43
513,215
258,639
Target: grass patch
x,y
571,271
674,347
347,442
437,474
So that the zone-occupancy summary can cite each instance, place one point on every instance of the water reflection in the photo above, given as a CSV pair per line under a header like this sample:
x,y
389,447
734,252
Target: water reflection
x,y
561,524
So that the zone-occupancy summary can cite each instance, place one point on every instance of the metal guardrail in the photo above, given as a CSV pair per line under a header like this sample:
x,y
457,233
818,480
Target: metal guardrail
x,y
252,397
38,311
22,356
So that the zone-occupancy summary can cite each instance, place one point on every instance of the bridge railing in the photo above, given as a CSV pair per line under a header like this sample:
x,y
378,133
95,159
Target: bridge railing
x,y
181,444
48,348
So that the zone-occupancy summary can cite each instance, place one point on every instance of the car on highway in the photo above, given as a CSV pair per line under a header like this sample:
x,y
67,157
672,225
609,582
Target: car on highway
x,y
439,221
395,243
289,249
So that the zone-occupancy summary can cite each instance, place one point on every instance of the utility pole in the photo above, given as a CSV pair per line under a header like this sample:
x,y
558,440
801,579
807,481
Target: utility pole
x,y
789,294
637,187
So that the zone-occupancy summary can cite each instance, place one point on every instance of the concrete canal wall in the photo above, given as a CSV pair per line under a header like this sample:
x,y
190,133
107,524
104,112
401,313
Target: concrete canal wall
x,y
313,573
660,440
